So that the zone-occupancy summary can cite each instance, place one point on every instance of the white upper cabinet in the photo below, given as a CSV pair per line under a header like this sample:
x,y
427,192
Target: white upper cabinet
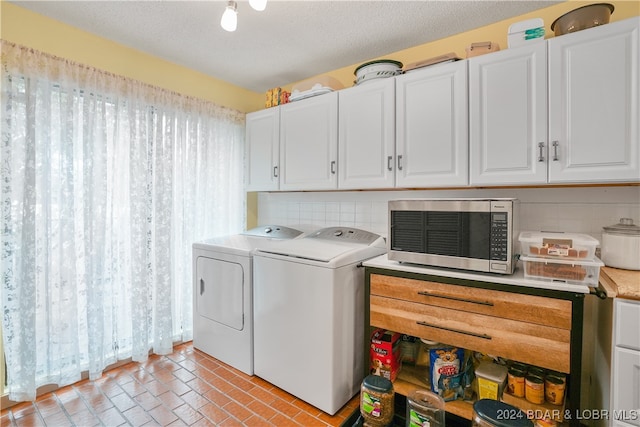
x,y
594,87
309,143
366,135
565,110
508,116
432,143
262,142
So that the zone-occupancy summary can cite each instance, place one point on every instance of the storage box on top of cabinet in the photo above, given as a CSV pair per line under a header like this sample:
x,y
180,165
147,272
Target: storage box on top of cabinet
x,y
580,272
557,245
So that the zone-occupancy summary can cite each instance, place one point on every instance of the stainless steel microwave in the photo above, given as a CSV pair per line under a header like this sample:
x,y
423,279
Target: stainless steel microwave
x,y
468,234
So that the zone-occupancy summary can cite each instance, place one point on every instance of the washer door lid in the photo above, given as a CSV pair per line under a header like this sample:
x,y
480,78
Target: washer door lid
x,y
219,291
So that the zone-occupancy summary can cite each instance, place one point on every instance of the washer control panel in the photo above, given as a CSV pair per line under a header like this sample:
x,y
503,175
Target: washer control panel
x,y
353,235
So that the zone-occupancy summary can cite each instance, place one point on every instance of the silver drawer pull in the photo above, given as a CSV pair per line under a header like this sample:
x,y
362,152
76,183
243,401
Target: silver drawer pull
x,y
428,294
389,162
444,328
201,286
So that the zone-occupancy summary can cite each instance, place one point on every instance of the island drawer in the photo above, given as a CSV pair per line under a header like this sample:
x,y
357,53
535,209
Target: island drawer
x,y
529,309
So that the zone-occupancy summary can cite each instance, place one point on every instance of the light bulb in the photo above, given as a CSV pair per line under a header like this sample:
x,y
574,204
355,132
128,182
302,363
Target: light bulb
x,y
258,5
229,19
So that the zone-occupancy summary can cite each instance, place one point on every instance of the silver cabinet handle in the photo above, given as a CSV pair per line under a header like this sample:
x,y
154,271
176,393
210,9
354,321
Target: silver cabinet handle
x,y
400,162
541,147
275,171
201,286
460,331
389,162
333,167
555,150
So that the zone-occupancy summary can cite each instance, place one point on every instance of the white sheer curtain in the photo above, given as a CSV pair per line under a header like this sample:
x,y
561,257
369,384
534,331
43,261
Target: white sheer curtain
x,y
105,183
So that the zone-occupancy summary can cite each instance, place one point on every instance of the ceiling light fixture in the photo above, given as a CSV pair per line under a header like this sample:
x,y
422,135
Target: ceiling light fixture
x,y
229,19
258,5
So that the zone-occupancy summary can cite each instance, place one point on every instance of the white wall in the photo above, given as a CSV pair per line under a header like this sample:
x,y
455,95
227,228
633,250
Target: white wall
x,y
577,209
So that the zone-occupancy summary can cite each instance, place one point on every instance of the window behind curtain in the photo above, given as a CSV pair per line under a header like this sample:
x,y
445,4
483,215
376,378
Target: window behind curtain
x,y
105,183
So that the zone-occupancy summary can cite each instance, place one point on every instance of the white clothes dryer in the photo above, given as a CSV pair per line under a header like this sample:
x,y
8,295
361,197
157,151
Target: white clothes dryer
x,y
309,314
223,293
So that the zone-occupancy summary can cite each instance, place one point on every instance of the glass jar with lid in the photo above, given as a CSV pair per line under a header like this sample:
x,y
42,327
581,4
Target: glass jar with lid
x,y
376,401
425,408
493,413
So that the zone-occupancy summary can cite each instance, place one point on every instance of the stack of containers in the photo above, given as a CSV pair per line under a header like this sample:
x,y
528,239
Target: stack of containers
x,y
563,257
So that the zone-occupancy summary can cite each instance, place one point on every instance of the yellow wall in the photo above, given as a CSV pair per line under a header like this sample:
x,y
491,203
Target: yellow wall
x,y
27,28
24,27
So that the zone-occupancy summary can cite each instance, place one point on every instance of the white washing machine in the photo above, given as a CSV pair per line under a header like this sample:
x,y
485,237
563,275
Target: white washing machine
x,y
223,293
309,314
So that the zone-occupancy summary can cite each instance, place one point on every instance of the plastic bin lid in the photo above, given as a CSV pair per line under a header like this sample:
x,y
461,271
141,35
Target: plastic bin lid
x,y
492,412
378,383
580,239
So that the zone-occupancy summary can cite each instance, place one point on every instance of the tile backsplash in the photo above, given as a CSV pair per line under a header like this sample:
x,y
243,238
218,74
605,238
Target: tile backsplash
x,y
576,209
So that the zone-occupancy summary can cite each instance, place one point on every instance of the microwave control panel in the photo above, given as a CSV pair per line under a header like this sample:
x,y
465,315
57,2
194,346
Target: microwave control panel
x,y
499,236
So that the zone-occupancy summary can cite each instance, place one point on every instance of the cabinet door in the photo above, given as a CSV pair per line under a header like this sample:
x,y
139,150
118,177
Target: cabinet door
x,y
626,326
366,135
262,150
309,143
508,116
432,143
626,386
594,87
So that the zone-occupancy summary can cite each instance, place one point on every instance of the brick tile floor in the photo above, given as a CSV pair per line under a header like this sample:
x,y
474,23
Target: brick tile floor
x,y
185,388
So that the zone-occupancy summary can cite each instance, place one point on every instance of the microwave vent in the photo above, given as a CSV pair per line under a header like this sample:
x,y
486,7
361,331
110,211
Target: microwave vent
x,y
443,243
408,240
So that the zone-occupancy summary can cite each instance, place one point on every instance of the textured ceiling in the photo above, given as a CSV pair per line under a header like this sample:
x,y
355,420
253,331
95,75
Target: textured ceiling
x,y
288,42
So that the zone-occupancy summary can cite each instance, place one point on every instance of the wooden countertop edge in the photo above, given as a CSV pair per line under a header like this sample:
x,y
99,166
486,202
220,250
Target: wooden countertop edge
x,y
619,283
609,286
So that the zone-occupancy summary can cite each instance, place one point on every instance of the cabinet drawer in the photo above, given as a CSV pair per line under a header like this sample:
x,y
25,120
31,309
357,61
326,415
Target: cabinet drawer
x,y
627,321
527,342
526,308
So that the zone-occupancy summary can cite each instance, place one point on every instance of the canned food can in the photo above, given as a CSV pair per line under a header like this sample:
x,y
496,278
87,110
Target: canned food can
x,y
515,382
534,389
554,390
519,366
538,372
558,375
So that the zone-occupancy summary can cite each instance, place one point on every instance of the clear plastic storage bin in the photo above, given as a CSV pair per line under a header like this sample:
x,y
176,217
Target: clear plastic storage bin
x,y
563,270
545,244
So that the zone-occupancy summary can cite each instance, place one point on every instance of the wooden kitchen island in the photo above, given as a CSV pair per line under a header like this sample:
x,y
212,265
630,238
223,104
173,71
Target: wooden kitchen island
x,y
534,322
